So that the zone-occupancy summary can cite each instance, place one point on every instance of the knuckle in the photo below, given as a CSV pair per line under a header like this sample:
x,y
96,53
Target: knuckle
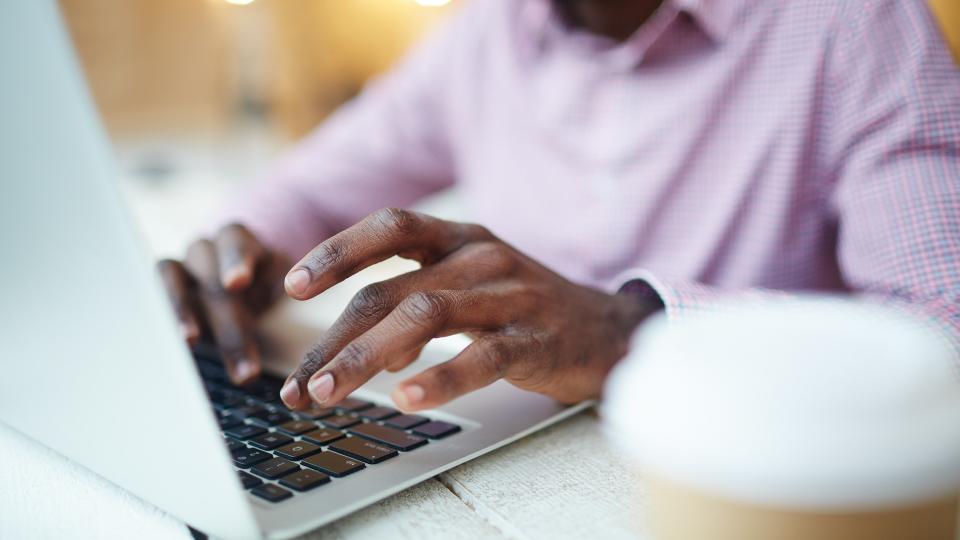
x,y
355,357
495,356
370,301
201,260
495,255
445,380
312,361
233,228
202,246
397,220
425,306
327,254
479,232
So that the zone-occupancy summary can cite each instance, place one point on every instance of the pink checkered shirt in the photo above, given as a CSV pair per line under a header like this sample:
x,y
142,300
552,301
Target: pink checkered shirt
x,y
728,149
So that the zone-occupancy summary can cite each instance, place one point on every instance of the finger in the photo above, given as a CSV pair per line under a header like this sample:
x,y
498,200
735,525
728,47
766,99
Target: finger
x,y
181,289
368,307
403,360
230,321
483,362
237,255
416,320
378,237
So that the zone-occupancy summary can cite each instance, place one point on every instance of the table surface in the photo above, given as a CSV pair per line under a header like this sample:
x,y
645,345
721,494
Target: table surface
x,y
563,482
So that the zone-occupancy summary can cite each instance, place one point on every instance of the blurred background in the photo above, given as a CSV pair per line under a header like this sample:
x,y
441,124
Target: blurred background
x,y
199,95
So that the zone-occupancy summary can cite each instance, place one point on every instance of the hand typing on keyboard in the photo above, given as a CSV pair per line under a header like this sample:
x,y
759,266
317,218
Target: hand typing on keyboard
x,y
533,328
220,289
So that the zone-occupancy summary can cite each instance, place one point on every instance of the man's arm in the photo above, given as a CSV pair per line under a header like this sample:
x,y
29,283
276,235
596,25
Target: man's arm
x,y
390,146
893,148
898,179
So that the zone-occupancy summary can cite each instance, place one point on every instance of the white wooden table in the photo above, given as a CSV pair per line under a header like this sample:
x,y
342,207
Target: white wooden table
x,y
564,482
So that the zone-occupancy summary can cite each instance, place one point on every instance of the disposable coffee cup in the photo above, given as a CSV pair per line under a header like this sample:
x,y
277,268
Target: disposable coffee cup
x,y
807,419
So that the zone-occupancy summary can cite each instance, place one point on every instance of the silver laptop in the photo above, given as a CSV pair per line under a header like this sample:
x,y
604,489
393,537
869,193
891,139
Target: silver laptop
x,y
93,366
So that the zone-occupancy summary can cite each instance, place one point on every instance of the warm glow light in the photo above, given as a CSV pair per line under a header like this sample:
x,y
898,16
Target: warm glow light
x,y
239,2
432,3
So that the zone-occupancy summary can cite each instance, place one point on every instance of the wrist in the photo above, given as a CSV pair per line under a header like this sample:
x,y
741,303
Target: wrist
x,y
640,301
629,312
636,302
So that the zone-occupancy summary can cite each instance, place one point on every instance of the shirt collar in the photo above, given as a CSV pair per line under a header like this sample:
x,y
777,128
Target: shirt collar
x,y
716,17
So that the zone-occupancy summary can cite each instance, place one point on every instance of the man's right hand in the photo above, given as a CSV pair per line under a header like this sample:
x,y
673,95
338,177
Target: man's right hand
x,y
219,291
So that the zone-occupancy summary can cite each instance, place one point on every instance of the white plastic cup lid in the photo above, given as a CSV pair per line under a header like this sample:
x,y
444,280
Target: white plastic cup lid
x,y
816,403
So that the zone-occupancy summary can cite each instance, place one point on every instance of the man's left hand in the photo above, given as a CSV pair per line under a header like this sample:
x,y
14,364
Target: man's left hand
x,y
533,328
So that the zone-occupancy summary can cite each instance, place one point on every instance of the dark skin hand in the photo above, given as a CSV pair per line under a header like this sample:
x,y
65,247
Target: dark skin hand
x,y
220,289
532,327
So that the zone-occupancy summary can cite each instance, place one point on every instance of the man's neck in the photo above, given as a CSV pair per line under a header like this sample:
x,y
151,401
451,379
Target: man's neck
x,y
616,19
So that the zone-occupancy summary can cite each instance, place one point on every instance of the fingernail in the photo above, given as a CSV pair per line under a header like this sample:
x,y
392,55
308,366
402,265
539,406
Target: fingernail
x,y
321,387
245,370
290,393
235,275
186,330
297,281
412,394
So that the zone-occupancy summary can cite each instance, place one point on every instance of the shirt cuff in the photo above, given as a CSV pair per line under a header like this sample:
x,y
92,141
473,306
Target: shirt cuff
x,y
678,296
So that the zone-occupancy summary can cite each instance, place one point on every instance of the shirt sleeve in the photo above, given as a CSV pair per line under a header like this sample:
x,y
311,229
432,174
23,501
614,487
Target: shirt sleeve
x,y
390,146
893,150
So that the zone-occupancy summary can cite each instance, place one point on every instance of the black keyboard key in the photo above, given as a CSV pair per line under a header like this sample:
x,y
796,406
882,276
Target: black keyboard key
x,y
378,413
275,468
333,464
395,438
265,388
266,396
269,441
436,429
234,444
316,413
364,450
323,436
212,370
224,399
271,492
296,427
304,480
269,418
249,481
248,410
297,450
353,404
340,421
229,421
222,409
406,421
244,432
248,457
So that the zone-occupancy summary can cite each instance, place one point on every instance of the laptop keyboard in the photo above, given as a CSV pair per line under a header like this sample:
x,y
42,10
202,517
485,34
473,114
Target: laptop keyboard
x,y
278,452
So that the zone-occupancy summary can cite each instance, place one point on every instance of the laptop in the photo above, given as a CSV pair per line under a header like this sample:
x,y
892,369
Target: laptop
x,y
93,365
